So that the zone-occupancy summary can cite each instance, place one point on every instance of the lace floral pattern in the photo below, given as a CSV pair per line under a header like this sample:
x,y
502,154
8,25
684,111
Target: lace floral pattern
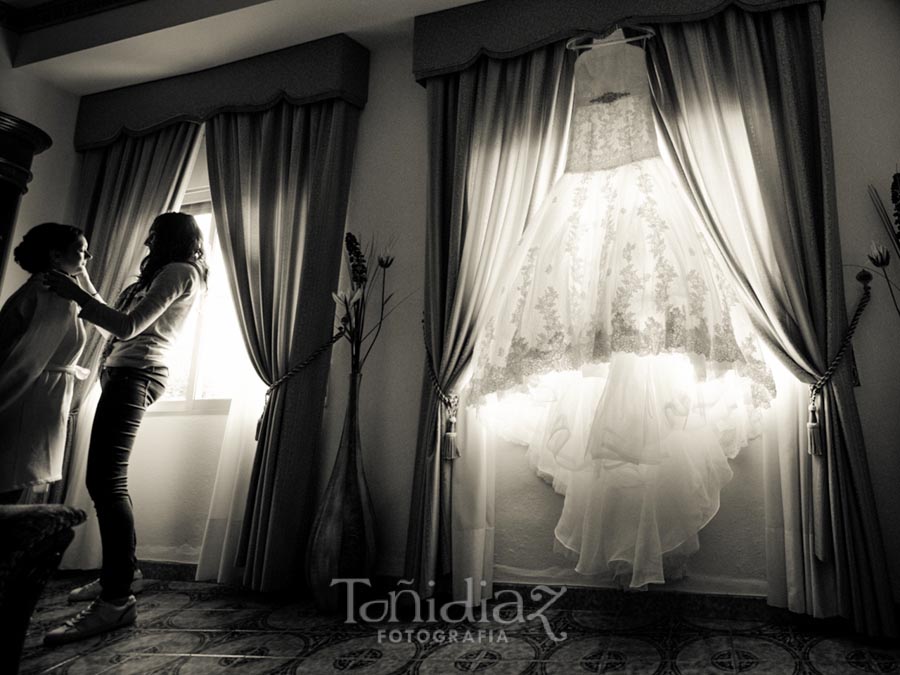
x,y
613,262
610,130
614,277
526,279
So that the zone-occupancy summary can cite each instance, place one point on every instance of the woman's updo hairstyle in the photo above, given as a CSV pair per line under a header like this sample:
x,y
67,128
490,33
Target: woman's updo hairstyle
x,y
34,253
174,237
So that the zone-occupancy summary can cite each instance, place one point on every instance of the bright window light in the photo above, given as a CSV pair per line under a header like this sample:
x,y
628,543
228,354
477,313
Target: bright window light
x,y
202,362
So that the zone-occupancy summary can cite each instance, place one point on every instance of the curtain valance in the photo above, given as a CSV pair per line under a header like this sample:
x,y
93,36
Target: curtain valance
x,y
333,67
453,39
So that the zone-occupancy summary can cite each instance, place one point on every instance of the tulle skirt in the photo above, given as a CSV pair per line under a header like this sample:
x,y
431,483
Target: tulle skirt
x,y
618,357
639,447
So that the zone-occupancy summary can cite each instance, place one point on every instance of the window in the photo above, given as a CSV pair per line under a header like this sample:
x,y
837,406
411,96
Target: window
x,y
201,365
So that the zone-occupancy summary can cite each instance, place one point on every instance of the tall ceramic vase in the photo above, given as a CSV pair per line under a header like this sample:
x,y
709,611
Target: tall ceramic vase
x,y
342,543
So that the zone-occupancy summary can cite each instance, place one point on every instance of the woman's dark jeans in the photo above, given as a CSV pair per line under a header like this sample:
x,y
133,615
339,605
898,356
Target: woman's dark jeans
x,y
127,393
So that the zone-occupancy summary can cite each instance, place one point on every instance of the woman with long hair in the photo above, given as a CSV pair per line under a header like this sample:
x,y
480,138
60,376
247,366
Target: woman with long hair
x,y
143,326
41,338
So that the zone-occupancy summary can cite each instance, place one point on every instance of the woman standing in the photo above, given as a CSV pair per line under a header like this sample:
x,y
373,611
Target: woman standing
x,y
41,338
143,325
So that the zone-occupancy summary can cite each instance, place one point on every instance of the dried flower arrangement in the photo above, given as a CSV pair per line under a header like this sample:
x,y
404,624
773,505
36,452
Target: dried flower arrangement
x,y
879,255
342,542
353,303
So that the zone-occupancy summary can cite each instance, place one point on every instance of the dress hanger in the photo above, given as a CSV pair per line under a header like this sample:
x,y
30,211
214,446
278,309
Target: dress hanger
x,y
584,42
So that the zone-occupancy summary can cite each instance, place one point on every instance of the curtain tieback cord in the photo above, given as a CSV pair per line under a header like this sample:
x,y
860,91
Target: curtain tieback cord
x,y
293,371
813,424
449,444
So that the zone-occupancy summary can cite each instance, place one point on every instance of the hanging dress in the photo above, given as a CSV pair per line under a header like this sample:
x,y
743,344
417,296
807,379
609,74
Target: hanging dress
x,y
617,353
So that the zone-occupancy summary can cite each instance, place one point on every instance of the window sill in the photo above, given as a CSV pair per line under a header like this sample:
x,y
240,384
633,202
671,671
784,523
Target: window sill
x,y
219,406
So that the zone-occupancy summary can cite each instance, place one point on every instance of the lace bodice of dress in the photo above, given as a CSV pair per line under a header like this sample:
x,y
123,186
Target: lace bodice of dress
x,y
612,118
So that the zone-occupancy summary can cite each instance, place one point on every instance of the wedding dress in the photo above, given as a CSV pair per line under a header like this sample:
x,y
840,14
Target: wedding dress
x,y
617,353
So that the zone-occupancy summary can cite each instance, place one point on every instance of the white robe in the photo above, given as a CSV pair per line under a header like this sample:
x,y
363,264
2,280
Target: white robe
x,y
41,338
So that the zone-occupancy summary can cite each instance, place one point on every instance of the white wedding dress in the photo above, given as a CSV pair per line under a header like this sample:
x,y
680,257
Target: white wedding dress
x,y
617,353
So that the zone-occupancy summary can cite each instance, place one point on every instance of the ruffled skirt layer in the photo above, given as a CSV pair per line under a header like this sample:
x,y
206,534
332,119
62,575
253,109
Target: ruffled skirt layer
x,y
639,447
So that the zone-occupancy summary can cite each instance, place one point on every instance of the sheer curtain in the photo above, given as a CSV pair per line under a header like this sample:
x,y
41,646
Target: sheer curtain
x,y
743,103
279,179
496,141
124,185
221,537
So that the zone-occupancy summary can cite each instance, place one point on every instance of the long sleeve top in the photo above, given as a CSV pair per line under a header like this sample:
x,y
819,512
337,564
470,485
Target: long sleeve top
x,y
146,328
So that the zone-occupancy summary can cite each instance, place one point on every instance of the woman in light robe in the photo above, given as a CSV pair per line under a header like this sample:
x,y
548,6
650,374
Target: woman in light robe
x,y
41,338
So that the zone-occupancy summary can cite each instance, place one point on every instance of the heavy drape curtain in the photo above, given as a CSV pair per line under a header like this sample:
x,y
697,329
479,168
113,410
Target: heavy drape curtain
x,y
279,180
496,141
744,108
124,186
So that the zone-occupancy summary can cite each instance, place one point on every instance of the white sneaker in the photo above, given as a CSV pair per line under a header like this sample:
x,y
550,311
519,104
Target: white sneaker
x,y
99,617
91,591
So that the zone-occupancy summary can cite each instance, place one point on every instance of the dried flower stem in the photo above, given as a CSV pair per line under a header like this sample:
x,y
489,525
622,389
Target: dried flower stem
x,y
380,318
890,289
355,303
885,218
391,310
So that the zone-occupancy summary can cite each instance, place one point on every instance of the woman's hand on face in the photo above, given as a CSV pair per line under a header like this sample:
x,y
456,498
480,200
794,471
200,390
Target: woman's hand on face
x,y
84,280
66,287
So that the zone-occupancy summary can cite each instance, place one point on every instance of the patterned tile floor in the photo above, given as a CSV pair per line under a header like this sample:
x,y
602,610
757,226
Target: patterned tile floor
x,y
190,627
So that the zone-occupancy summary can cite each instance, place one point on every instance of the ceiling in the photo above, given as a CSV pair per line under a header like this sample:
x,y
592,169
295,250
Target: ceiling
x,y
24,15
106,44
25,4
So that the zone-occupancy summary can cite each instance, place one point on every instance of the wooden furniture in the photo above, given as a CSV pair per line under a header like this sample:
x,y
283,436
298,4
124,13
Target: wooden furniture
x,y
19,143
32,542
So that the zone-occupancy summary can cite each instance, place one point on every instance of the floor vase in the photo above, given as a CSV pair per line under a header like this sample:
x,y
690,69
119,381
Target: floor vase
x,y
342,543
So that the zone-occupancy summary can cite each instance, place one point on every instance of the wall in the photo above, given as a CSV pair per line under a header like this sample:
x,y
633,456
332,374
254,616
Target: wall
x,y
50,195
387,201
862,49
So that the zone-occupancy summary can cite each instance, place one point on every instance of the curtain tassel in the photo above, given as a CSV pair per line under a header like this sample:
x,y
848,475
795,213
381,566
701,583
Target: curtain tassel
x,y
813,430
813,425
449,445
259,422
262,418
